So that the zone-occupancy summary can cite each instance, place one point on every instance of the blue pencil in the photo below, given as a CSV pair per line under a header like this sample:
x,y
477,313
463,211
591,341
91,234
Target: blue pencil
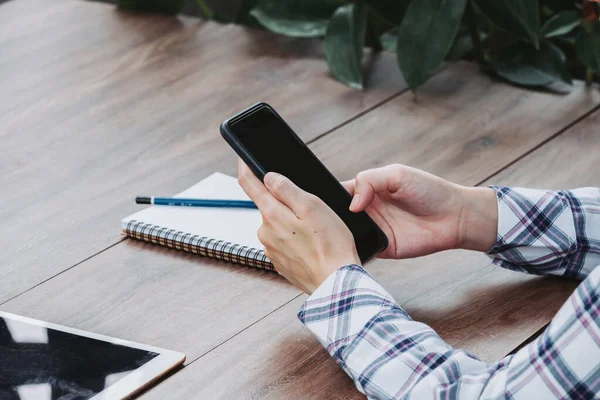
x,y
170,201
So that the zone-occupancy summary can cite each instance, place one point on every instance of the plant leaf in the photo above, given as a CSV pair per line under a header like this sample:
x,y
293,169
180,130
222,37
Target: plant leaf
x,y
296,18
344,42
154,6
559,60
425,37
587,47
524,65
516,16
463,43
389,39
561,23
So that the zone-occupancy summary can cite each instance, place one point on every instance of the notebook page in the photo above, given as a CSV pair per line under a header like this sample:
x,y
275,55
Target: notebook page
x,y
235,225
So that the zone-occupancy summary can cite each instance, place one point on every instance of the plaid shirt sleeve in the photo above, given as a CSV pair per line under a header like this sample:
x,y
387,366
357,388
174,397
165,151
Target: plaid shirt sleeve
x,y
547,232
390,356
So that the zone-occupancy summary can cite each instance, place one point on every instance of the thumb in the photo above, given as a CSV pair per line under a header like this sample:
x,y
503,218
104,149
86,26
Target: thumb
x,y
284,190
373,181
349,186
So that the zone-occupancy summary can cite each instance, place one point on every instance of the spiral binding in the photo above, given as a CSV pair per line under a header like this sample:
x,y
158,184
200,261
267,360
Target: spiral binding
x,y
200,245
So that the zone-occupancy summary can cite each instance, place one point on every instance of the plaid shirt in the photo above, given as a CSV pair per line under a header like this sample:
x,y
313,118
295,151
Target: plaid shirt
x,y
388,355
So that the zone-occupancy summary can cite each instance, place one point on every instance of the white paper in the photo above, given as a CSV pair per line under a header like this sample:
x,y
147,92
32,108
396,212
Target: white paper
x,y
235,225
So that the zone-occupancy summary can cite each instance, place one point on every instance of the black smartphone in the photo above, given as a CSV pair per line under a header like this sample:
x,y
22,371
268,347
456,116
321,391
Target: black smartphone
x,y
266,143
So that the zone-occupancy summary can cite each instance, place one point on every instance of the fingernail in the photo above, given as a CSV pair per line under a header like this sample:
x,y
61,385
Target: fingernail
x,y
355,201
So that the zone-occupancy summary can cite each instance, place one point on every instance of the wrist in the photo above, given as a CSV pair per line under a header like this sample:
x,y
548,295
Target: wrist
x,y
479,218
331,267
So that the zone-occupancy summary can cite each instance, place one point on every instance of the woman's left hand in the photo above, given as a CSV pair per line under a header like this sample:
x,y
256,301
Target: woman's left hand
x,y
303,237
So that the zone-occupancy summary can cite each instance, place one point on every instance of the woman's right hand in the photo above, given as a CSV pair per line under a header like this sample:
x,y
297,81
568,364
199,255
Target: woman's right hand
x,y
422,213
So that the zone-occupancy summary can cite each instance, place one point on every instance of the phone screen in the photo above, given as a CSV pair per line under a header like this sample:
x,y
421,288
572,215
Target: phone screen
x,y
276,148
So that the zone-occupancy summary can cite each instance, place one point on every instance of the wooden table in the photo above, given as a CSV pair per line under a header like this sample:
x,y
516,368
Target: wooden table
x,y
98,105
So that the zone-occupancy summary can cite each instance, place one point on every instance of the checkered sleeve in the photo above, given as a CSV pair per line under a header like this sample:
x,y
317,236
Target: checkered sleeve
x,y
547,232
390,356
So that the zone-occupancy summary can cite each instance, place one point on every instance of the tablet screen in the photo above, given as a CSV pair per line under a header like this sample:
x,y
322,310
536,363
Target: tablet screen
x,y
46,364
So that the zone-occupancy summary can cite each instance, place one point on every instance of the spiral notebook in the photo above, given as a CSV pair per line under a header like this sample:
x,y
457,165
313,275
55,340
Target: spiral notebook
x,y
227,234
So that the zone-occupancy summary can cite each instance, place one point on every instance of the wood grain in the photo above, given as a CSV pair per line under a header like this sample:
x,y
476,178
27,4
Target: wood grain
x,y
473,305
276,358
190,304
279,358
462,125
99,105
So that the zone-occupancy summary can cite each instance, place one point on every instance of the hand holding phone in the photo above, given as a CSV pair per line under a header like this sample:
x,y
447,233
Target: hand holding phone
x,y
266,143
302,236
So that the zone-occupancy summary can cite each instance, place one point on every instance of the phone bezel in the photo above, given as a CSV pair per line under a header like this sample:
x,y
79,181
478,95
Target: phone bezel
x,y
381,242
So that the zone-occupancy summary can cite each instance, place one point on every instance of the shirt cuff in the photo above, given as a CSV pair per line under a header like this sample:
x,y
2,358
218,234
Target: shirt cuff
x,y
535,230
350,290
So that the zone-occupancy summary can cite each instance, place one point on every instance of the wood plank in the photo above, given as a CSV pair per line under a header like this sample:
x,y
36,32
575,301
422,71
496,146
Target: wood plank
x,y
462,126
99,105
473,305
169,299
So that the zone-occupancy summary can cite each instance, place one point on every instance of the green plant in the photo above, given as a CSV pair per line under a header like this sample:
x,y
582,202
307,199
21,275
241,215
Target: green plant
x,y
527,42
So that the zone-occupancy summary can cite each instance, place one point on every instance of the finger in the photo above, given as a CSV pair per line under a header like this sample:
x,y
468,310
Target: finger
x,y
271,209
287,192
349,186
386,179
253,187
